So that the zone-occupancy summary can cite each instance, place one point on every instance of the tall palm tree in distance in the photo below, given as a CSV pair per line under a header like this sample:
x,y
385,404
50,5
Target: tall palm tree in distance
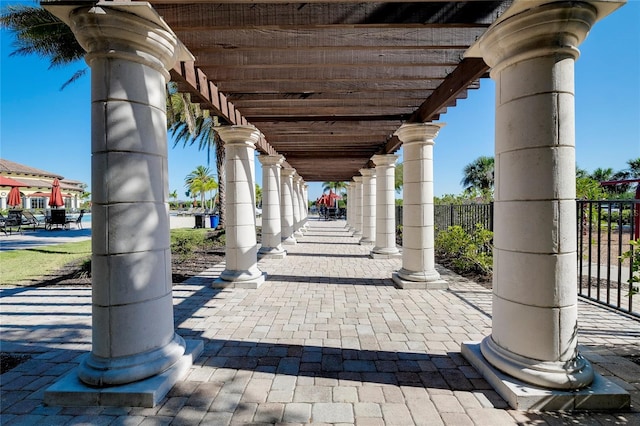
x,y
200,181
479,177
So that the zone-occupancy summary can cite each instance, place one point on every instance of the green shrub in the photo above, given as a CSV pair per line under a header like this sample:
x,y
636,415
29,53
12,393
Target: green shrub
x,y
463,252
633,254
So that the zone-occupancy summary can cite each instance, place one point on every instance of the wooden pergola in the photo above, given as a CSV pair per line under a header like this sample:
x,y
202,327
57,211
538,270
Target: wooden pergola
x,y
328,83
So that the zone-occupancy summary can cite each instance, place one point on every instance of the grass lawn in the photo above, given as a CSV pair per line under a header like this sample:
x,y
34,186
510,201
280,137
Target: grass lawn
x,y
24,266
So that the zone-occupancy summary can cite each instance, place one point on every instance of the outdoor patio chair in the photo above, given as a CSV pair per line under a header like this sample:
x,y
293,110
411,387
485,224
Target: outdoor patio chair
x,y
58,218
78,220
9,224
31,220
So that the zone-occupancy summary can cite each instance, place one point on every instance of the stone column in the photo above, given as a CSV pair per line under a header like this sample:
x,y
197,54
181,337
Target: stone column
x,y
368,206
385,207
271,214
349,200
241,247
297,232
357,219
133,335
418,261
305,205
534,331
286,198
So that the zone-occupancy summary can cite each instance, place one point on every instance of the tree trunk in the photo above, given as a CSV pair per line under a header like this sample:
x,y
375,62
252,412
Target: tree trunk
x,y
220,157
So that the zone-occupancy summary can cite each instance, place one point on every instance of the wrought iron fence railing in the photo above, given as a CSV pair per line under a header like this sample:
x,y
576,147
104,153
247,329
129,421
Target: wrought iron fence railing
x,y
604,231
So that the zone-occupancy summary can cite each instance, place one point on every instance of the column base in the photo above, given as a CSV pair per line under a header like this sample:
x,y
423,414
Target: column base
x,y
385,253
252,283
289,241
69,391
602,394
298,234
366,242
570,375
357,234
272,253
437,284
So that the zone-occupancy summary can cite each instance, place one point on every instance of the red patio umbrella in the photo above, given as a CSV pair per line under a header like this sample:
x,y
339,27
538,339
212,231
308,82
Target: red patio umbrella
x,y
55,199
332,199
14,199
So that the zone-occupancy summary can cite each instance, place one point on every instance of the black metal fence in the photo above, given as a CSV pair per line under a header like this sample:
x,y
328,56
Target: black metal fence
x,y
604,231
465,215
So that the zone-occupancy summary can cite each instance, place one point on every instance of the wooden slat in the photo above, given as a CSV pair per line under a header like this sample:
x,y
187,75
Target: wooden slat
x,y
415,56
293,86
204,16
347,37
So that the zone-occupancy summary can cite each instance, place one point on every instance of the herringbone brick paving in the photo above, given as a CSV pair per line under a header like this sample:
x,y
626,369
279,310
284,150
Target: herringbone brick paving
x,y
327,339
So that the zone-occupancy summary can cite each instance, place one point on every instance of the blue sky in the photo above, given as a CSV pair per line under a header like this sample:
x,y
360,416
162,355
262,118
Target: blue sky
x,y
44,127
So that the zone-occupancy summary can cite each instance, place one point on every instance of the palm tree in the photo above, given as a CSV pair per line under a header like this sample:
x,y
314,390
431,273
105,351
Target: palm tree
x,y
38,32
189,124
258,195
200,181
479,176
399,178
336,187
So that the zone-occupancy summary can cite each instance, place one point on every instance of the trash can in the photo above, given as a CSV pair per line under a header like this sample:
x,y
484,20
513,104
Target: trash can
x,y
199,220
215,220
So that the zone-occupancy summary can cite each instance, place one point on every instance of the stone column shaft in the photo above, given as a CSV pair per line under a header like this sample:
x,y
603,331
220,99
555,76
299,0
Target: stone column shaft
x,y
418,261
385,207
297,233
241,254
535,304
357,219
349,201
286,198
271,214
133,335
368,206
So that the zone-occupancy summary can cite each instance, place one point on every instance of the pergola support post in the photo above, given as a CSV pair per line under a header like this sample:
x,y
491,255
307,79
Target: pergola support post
x,y
136,355
385,246
271,214
532,356
418,254
241,252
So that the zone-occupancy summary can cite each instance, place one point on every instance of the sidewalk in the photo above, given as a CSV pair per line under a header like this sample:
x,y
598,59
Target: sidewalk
x,y
327,339
28,239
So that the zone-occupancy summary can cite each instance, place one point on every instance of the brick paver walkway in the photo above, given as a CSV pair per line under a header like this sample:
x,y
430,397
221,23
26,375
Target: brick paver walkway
x,y
326,340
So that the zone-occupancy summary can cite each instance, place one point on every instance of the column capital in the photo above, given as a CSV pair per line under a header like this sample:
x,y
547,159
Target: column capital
x,y
240,135
358,179
288,171
556,28
368,172
418,132
271,160
133,32
384,159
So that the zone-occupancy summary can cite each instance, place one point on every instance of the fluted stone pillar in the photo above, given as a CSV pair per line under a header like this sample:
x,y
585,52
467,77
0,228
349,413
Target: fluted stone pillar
x,y
136,356
271,214
368,206
418,257
385,207
297,233
241,255
535,307
357,220
286,198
